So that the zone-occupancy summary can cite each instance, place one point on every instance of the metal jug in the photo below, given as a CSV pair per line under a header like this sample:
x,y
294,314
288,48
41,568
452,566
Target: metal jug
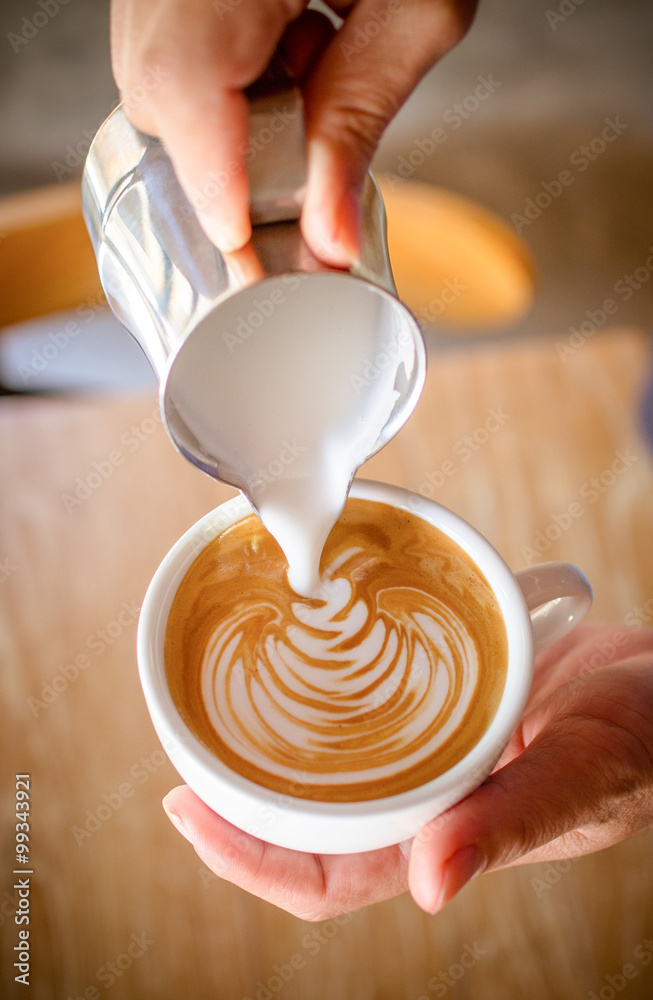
x,y
164,278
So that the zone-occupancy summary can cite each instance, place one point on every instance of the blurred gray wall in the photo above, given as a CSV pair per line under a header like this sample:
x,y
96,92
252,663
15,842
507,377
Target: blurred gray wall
x,y
557,71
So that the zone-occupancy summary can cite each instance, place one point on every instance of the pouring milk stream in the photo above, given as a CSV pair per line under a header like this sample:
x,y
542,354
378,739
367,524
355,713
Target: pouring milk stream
x,y
278,374
289,410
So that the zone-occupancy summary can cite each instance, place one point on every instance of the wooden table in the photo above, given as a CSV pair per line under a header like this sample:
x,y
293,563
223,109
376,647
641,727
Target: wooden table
x,y
92,496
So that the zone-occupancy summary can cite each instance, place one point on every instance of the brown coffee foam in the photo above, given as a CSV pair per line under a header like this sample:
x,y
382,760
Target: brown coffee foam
x,y
400,565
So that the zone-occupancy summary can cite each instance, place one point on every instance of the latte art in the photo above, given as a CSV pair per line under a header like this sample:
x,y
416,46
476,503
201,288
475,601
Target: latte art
x,y
348,694
378,684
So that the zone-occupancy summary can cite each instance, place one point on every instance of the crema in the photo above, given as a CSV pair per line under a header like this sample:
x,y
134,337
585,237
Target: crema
x,y
386,677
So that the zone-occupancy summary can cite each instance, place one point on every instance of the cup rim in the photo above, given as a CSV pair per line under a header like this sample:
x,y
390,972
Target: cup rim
x,y
168,720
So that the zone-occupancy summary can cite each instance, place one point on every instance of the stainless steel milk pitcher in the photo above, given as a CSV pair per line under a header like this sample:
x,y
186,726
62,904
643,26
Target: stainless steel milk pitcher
x,y
163,277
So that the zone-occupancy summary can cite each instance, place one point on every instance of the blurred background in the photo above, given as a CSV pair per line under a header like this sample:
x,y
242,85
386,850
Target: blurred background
x,y
523,98
92,495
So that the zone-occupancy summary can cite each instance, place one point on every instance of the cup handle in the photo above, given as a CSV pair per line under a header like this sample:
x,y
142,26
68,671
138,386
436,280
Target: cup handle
x,y
558,596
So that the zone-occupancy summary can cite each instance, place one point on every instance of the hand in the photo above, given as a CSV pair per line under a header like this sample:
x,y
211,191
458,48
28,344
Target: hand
x,y
576,777
181,66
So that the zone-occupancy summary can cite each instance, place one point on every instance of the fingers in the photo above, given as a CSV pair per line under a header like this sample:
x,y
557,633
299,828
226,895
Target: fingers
x,y
303,42
206,138
583,782
309,886
579,778
361,80
288,879
181,69
526,805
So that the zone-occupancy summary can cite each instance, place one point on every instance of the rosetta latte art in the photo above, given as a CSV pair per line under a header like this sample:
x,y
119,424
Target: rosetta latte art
x,y
379,683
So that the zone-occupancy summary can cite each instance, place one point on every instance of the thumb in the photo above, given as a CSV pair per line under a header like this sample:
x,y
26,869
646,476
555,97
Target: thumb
x,y
533,809
361,80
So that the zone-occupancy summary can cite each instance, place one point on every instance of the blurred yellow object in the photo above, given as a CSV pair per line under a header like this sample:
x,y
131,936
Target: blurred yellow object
x,y
46,258
456,264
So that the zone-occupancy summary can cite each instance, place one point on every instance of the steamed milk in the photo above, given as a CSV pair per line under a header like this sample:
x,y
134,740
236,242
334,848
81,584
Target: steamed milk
x,y
291,393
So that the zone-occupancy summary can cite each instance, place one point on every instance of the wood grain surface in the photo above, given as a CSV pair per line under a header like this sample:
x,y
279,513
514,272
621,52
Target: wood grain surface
x,y
121,907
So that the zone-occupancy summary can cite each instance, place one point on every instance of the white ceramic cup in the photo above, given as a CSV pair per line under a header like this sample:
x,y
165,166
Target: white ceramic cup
x,y
539,605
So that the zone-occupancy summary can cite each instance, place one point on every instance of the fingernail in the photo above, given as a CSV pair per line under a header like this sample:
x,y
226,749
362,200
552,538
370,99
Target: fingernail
x,y
461,867
226,236
336,239
176,821
330,218
323,242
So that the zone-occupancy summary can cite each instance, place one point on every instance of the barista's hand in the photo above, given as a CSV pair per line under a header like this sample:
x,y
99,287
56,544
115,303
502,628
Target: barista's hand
x,y
577,777
181,66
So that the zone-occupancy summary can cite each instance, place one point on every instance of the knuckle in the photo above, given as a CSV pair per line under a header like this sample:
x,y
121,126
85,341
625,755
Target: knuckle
x,y
523,829
358,121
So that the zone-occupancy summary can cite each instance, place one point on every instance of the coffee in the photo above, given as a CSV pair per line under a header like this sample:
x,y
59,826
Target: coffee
x,y
382,681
